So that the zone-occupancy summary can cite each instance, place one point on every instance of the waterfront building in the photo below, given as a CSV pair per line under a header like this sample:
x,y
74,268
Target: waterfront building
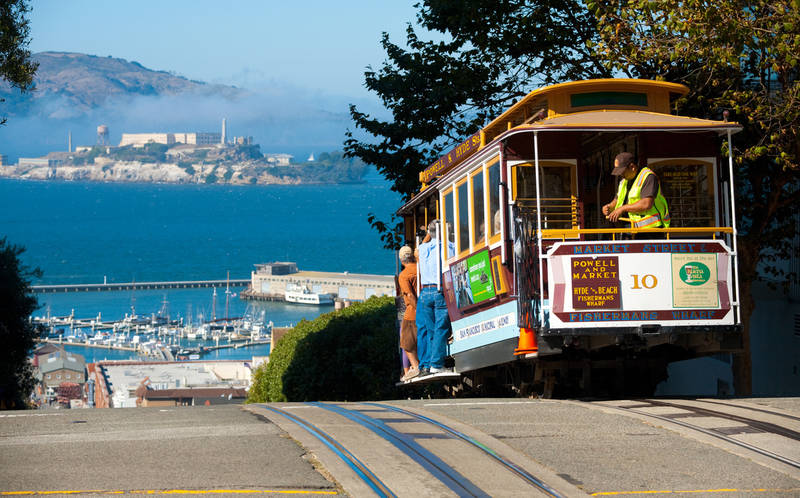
x,y
270,281
191,396
61,366
44,350
128,384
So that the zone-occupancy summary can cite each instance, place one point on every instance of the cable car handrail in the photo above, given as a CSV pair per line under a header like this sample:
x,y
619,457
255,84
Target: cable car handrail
x,y
572,233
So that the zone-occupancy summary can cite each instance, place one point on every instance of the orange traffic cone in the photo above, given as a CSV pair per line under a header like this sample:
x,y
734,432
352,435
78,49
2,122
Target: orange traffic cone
x,y
527,342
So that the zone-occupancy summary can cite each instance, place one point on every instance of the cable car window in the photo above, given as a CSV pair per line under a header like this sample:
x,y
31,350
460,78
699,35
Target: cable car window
x,y
478,206
687,184
449,222
559,206
462,203
494,199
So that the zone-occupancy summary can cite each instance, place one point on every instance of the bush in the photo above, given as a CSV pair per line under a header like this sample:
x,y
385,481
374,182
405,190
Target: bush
x,y
346,355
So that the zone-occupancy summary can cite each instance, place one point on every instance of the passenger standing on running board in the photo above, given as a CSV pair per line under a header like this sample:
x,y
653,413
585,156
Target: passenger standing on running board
x,y
433,323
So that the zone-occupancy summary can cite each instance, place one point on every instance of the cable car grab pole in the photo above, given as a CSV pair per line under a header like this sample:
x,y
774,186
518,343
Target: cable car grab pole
x,y
733,224
539,227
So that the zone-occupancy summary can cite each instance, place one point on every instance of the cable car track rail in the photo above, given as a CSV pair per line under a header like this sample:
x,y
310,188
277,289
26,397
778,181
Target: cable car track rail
x,y
431,451
691,411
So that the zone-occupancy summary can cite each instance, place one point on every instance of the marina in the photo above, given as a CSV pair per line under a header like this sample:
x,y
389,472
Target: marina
x,y
158,337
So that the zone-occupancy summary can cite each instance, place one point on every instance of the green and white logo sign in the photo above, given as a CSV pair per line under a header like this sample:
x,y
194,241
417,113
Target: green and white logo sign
x,y
694,273
480,276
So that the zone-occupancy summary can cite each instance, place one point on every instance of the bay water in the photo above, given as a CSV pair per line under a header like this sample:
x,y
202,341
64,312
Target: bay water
x,y
84,232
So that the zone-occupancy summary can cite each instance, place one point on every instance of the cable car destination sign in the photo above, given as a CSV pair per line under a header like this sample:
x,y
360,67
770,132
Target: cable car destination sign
x,y
449,160
634,283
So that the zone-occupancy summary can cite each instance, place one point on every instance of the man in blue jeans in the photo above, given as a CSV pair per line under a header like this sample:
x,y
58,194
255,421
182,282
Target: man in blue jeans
x,y
433,323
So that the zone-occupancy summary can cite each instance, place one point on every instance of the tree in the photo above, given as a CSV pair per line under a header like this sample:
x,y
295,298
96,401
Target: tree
x,y
741,56
17,333
440,92
16,65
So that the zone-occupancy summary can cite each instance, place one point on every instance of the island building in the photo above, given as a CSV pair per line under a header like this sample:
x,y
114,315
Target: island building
x,y
279,159
242,140
4,160
270,281
193,138
39,161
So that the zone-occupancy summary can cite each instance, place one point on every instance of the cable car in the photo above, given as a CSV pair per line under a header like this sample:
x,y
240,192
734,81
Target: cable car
x,y
543,291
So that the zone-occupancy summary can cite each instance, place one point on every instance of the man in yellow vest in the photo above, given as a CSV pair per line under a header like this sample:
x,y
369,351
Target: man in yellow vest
x,y
638,196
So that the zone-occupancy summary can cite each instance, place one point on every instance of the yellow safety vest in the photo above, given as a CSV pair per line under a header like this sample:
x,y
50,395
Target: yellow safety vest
x,y
658,214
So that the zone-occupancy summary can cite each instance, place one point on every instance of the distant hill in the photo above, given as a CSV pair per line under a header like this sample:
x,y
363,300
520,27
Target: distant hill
x,y
79,83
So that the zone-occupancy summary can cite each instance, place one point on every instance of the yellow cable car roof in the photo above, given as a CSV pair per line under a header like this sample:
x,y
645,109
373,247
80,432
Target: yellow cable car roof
x,y
556,96
628,120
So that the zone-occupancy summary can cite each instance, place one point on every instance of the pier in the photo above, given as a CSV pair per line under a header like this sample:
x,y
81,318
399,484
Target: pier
x,y
270,282
182,284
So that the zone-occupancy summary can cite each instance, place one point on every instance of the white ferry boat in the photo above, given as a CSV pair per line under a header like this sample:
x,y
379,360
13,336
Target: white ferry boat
x,y
302,295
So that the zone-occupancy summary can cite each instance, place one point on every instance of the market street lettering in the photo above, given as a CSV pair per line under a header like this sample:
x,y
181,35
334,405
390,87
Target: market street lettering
x,y
600,249
674,247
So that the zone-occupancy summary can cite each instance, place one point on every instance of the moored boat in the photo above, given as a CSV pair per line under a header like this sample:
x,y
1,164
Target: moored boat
x,y
301,294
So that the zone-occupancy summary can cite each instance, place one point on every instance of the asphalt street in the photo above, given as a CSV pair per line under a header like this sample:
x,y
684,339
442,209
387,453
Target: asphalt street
x,y
583,447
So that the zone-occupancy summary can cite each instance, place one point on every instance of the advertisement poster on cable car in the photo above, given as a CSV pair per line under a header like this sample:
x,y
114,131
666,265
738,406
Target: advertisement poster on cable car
x,y
630,283
472,280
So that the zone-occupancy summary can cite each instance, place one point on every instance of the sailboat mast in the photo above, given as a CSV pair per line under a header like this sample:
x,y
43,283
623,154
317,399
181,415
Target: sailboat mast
x,y
227,294
214,306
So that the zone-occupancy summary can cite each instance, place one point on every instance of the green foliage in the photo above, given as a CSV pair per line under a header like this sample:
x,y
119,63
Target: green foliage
x,y
211,178
187,167
249,151
94,152
441,92
330,167
17,333
350,354
149,153
228,174
16,65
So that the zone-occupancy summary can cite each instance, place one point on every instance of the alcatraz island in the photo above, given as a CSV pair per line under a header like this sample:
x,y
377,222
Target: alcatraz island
x,y
182,157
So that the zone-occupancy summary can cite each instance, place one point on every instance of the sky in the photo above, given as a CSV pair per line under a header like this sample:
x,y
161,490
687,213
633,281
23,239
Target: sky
x,y
317,45
302,64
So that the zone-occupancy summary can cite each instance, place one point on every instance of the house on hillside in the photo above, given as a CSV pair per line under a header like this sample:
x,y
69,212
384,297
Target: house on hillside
x,y
61,366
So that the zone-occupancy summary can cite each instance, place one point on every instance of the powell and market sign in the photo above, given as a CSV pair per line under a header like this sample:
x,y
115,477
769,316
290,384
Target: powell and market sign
x,y
455,156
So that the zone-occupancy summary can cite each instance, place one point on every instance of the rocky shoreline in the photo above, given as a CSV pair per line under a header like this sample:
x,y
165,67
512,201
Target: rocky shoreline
x,y
138,172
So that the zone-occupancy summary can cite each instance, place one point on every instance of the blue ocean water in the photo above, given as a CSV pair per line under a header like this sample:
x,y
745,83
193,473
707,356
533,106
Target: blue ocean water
x,y
83,232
